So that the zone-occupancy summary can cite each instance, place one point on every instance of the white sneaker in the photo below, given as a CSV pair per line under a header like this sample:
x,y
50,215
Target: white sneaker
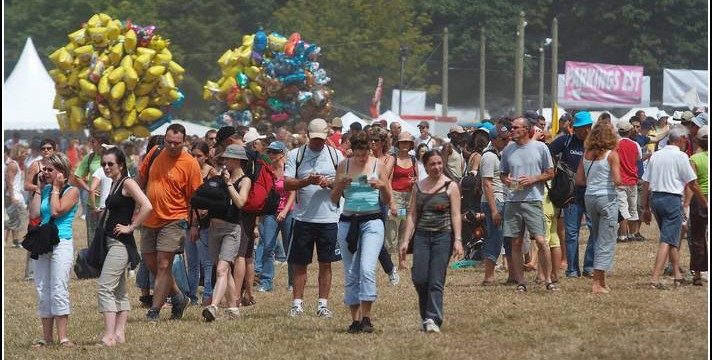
x,y
323,311
393,278
232,313
296,311
83,217
429,326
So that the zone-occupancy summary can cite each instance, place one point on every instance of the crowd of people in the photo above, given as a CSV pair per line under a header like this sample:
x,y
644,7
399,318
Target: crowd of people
x,y
362,197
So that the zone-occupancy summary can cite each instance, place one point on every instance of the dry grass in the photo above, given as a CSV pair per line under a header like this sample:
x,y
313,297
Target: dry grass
x,y
493,322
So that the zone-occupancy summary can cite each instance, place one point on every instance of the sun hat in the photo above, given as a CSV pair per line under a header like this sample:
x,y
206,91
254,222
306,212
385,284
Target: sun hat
x,y
407,137
582,118
234,152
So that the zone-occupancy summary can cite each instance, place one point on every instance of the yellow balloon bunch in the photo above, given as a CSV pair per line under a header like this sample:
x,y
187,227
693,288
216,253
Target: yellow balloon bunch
x,y
115,77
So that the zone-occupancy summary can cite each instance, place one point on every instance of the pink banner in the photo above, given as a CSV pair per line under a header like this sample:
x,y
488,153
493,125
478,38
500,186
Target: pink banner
x,y
603,83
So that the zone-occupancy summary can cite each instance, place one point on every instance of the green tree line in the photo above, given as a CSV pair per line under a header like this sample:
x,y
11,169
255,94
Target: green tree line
x,y
361,39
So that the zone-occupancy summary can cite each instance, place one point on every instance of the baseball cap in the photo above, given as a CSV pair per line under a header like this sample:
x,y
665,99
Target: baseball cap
x,y
456,129
251,136
277,146
701,119
499,131
317,129
583,118
703,133
336,123
224,133
486,125
624,126
424,124
234,152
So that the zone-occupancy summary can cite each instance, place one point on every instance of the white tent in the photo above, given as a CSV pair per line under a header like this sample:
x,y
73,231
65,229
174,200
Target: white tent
x,y
349,118
190,128
28,93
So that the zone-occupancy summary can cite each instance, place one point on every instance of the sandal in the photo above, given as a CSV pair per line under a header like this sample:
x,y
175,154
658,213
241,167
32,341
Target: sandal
x,y
521,288
658,286
552,287
39,343
248,301
66,343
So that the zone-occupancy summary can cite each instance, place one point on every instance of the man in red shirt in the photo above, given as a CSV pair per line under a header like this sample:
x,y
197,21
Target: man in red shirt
x,y
629,152
334,139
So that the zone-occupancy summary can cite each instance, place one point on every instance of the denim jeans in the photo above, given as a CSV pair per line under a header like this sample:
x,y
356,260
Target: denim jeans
x,y
205,263
144,278
268,243
572,225
431,253
280,252
192,260
495,236
360,267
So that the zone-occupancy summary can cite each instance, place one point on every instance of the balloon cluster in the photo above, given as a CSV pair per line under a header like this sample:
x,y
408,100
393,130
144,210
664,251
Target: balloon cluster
x,y
115,78
270,78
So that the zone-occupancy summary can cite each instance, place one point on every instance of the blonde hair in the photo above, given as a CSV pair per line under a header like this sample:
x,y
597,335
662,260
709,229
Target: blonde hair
x,y
60,162
17,150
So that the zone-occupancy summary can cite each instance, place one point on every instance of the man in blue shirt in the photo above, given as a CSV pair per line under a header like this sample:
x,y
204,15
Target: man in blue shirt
x,y
569,149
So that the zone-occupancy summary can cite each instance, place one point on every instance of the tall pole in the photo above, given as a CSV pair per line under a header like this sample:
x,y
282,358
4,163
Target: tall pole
x,y
541,80
519,66
445,71
403,51
482,72
554,62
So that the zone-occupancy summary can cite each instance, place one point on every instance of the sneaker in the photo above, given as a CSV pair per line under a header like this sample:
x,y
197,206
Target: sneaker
x,y
429,326
83,217
355,328
290,288
179,307
622,239
639,237
28,278
393,278
210,312
366,325
587,274
232,313
323,311
153,315
262,290
16,244
296,311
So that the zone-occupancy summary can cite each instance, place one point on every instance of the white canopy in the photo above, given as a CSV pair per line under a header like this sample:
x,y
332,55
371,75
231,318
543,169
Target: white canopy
x,y
28,93
190,128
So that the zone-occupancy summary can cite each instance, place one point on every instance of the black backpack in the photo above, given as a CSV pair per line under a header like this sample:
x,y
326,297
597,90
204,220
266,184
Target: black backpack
x,y
82,267
213,196
563,185
471,187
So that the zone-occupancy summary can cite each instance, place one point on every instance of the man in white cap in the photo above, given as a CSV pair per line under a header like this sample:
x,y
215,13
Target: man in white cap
x,y
311,170
252,141
453,157
425,136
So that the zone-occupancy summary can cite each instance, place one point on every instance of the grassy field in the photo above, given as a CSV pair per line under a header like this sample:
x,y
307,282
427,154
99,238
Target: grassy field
x,y
633,322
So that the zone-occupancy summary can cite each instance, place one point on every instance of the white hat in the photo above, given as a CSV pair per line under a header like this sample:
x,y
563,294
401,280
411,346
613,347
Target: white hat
x,y
703,133
661,114
251,136
318,129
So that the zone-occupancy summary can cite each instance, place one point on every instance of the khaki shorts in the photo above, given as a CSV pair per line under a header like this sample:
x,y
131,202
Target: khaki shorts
x,y
628,201
223,241
168,238
519,214
550,217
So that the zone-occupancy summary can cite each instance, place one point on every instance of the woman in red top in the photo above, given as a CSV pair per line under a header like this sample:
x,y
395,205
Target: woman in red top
x,y
404,175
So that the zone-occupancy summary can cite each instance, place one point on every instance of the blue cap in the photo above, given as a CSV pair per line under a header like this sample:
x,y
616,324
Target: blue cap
x,y
582,118
486,125
277,146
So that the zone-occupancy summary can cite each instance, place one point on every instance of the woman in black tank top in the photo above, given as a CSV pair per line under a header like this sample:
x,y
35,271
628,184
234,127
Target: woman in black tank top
x,y
118,227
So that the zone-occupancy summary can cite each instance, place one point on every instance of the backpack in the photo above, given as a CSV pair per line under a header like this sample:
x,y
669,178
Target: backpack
x,y
471,186
150,162
563,186
263,198
213,196
82,267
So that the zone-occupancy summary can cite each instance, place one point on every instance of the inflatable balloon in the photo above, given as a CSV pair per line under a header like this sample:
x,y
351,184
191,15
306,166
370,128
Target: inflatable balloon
x,y
113,75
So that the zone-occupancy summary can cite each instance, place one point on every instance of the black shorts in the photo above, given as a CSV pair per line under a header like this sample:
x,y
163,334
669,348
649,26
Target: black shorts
x,y
247,238
305,235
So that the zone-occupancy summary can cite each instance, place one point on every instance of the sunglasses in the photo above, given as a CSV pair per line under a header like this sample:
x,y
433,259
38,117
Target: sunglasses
x,y
109,164
376,140
46,148
270,151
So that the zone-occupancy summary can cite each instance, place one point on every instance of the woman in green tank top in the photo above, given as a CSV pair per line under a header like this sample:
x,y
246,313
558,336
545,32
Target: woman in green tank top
x,y
698,211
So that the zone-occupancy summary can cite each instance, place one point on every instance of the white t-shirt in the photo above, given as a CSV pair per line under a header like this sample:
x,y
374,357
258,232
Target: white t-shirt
x,y
104,187
428,142
313,204
669,171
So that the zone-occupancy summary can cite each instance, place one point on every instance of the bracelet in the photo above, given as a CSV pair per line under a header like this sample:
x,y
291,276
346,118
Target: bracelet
x,y
458,239
55,192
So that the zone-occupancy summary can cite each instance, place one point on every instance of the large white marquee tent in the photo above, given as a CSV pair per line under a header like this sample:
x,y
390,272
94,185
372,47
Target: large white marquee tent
x,y
28,93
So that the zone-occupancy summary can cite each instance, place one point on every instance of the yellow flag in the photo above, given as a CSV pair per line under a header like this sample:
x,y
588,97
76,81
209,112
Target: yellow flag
x,y
554,120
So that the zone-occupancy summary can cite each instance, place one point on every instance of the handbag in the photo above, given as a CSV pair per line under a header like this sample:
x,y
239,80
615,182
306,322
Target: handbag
x,y
42,239
420,210
98,249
